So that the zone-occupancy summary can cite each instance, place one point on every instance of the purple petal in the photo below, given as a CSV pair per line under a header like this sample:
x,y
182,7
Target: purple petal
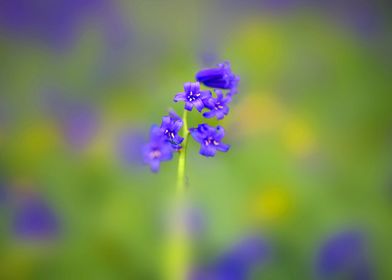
x,y
165,121
207,151
198,104
174,116
155,132
219,94
195,87
209,114
219,115
180,97
205,94
188,106
167,155
226,99
207,74
219,133
223,147
187,86
154,165
196,134
177,126
178,139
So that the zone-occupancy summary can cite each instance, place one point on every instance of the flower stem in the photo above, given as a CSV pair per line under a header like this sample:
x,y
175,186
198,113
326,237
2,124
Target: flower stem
x,y
181,184
178,259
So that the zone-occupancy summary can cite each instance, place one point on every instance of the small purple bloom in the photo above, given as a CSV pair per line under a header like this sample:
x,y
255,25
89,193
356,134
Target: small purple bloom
x,y
210,139
193,96
344,254
159,149
170,127
34,219
218,106
219,77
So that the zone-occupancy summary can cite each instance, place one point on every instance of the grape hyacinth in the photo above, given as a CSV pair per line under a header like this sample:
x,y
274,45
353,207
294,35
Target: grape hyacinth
x,y
165,139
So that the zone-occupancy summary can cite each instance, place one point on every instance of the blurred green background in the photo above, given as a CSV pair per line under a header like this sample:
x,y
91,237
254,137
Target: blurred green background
x,y
311,131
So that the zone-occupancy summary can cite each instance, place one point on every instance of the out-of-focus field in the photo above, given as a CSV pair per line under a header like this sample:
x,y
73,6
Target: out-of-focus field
x,y
81,82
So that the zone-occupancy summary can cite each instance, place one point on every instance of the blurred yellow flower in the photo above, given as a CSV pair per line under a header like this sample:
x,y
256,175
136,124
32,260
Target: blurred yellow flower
x,y
273,204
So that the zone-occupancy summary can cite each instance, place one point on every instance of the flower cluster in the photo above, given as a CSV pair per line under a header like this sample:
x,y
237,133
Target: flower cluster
x,y
165,139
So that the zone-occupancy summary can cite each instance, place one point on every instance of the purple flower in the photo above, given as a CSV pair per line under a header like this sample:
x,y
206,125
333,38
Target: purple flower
x,y
210,139
34,219
344,254
219,77
159,149
218,106
79,121
237,263
193,96
170,127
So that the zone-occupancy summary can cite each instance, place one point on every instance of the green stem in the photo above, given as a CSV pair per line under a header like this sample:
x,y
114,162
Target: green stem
x,y
178,258
181,184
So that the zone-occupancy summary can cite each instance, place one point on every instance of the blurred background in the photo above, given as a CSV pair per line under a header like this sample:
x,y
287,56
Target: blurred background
x,y
304,193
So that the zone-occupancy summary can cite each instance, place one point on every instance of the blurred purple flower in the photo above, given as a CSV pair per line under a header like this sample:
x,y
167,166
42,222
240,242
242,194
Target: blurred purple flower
x,y
130,144
53,22
78,120
237,263
210,139
34,219
80,125
217,106
193,96
344,254
157,150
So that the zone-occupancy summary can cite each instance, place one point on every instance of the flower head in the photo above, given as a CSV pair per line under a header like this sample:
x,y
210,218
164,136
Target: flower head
x,y
210,139
218,106
219,77
193,96
170,127
157,150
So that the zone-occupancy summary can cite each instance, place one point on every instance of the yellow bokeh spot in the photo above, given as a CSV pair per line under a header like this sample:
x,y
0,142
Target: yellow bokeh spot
x,y
271,205
36,140
260,113
298,137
